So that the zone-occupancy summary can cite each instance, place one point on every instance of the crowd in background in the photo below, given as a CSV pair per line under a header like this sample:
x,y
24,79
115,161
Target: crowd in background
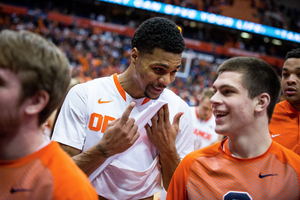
x,y
94,53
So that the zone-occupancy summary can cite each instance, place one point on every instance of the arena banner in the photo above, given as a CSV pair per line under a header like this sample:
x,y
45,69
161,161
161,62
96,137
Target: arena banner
x,y
210,18
13,9
201,46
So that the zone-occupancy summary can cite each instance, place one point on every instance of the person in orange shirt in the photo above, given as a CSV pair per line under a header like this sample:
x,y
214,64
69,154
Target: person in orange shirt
x,y
284,125
248,164
34,77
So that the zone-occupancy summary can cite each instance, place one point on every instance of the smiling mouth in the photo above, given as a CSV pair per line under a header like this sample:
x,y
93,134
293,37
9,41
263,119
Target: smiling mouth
x,y
157,89
219,115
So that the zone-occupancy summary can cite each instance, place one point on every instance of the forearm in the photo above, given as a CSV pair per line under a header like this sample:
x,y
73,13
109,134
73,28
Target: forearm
x,y
169,163
89,160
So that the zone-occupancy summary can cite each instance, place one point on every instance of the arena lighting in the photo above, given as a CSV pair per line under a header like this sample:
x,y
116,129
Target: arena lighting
x,y
277,42
209,18
246,35
266,39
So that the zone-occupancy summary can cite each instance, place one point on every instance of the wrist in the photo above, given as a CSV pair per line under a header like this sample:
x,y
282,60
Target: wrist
x,y
102,151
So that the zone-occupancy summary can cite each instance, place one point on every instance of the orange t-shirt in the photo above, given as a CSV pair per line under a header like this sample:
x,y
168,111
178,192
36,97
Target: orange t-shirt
x,y
284,126
213,173
46,174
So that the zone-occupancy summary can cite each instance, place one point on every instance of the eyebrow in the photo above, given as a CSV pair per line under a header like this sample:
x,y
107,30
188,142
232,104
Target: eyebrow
x,y
166,66
285,69
223,86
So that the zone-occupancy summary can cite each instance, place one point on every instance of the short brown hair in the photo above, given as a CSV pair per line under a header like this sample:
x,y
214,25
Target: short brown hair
x,y
39,64
257,76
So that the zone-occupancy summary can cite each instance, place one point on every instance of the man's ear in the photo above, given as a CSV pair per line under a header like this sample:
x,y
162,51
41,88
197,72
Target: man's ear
x,y
134,54
263,100
36,103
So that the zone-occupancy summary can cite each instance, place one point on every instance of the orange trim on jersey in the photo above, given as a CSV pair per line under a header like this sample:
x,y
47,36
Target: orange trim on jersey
x,y
119,87
146,100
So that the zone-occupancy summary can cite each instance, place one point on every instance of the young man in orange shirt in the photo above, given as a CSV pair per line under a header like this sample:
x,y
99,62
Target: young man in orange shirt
x,y
248,164
284,125
34,77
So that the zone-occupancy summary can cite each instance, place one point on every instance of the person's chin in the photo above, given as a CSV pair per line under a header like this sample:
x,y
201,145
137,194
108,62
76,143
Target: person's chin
x,y
152,96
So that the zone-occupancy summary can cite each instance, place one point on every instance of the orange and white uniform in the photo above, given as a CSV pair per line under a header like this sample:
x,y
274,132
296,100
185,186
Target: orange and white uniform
x,y
135,174
285,126
214,173
204,130
48,173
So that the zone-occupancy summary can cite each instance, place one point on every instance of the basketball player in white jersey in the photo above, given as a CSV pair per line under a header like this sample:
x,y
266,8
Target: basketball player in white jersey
x,y
204,121
115,128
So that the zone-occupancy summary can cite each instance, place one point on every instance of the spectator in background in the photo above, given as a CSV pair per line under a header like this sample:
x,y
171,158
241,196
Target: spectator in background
x,y
204,121
34,76
248,164
284,125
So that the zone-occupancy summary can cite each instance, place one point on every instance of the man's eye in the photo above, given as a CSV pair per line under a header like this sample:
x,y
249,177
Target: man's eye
x,y
285,75
158,69
227,91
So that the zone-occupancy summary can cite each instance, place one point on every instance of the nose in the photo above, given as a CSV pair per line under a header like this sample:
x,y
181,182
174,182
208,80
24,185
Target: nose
x,y
292,79
215,99
165,79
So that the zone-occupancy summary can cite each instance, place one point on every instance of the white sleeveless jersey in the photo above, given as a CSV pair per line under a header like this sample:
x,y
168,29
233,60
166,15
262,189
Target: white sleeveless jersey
x,y
135,173
204,130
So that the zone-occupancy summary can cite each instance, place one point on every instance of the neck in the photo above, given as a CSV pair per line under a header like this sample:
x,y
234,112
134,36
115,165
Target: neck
x,y
250,143
296,105
21,143
128,83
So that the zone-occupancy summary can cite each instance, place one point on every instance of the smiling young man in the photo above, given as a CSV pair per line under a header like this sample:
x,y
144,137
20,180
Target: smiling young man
x,y
284,125
126,160
247,164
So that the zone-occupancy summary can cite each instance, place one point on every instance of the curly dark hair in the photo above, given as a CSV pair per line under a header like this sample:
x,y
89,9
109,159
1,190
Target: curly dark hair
x,y
158,32
294,53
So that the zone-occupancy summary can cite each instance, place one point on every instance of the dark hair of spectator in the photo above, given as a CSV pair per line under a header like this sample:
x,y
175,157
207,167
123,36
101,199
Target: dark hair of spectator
x,y
295,53
158,32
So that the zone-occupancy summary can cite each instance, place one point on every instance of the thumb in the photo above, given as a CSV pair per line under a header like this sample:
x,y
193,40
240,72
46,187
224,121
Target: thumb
x,y
176,120
112,123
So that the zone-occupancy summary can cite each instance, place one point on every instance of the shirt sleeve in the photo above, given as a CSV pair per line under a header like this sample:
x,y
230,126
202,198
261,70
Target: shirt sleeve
x,y
70,127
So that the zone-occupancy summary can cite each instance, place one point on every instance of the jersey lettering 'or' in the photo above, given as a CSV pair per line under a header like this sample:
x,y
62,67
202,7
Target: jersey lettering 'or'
x,y
98,122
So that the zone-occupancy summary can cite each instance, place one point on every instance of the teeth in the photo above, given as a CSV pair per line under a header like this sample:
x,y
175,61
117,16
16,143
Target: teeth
x,y
220,114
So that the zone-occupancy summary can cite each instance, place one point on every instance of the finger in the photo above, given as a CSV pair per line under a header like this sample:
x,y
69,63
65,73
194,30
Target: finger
x,y
154,122
111,123
166,113
133,133
126,113
176,120
161,117
129,124
148,129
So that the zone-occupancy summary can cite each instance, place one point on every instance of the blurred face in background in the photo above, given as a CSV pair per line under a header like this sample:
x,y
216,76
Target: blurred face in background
x,y
204,110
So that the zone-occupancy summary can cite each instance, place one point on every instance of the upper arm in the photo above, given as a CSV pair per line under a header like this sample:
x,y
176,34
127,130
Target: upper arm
x,y
71,151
